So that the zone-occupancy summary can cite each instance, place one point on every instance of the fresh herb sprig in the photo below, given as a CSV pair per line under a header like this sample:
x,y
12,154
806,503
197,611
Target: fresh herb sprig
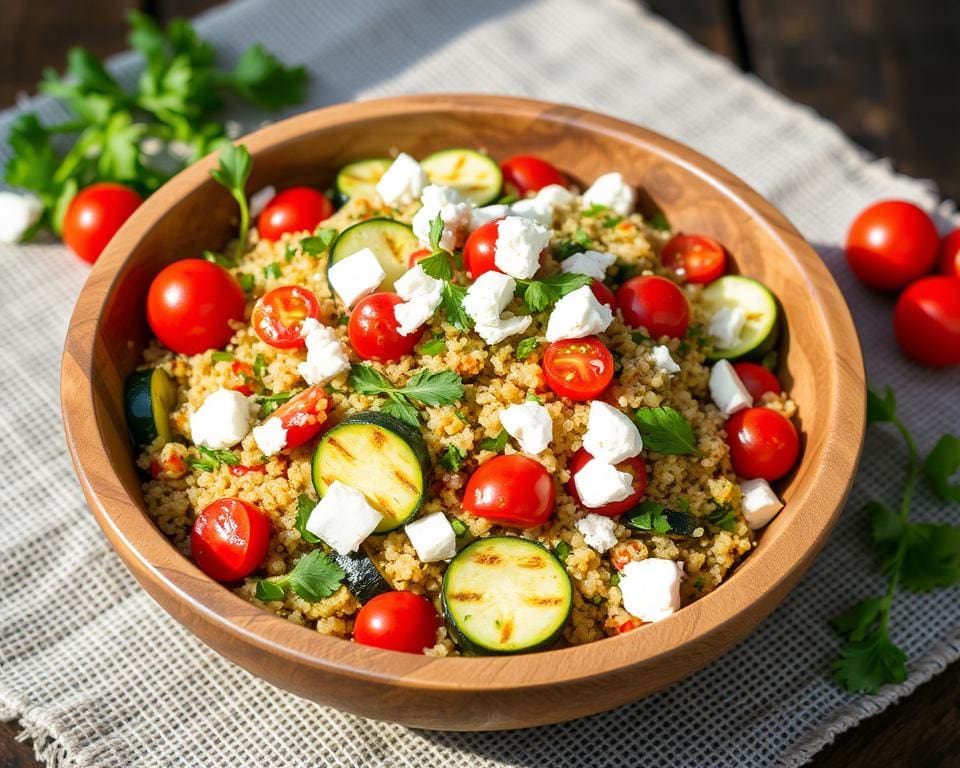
x,y
305,505
495,444
315,576
270,403
425,387
440,265
543,293
232,173
665,431
210,460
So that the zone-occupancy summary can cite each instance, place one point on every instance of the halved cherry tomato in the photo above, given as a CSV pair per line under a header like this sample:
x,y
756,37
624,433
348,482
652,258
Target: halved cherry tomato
x,y
480,248
634,467
628,625
891,243
229,539
304,415
245,373
511,490
373,329
417,256
695,258
604,295
278,315
950,254
579,369
397,621
763,443
926,320
239,470
296,209
94,216
528,173
757,379
654,303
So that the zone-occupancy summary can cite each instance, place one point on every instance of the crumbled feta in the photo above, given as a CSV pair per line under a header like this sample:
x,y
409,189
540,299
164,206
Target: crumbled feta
x,y
759,503
486,214
454,211
540,207
432,537
578,314
259,200
728,392
488,296
599,483
651,588
403,181
271,436
554,194
612,191
725,327
356,276
664,360
593,263
611,435
18,212
343,518
421,294
325,354
223,420
506,326
530,424
518,247
597,531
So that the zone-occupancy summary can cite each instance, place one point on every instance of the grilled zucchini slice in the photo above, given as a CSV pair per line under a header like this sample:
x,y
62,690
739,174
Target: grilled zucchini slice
x,y
359,178
149,397
391,241
762,326
474,175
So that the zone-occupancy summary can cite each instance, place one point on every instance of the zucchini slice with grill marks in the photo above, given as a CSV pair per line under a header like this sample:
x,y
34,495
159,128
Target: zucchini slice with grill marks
x,y
761,329
391,241
505,594
473,174
359,178
383,458
149,397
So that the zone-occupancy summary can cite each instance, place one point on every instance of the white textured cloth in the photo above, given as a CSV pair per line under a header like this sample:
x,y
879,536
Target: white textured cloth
x,y
98,675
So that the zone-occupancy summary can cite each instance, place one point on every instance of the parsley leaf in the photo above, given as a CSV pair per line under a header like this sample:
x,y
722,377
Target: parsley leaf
x,y
433,347
609,222
263,81
941,465
305,505
659,222
665,431
434,387
452,458
648,516
724,518
247,282
881,408
273,270
495,444
562,550
402,410
931,557
526,347
439,265
318,243
218,356
578,243
865,665
540,294
459,527
436,232
594,209
232,174
210,460
314,577
860,620
451,302
259,365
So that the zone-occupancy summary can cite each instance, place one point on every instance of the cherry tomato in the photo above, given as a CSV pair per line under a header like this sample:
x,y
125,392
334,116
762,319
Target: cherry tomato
x,y
304,415
757,379
479,249
511,490
373,329
229,539
579,368
239,470
629,625
246,377
397,621
417,256
278,315
891,243
763,443
656,304
94,216
926,320
527,173
950,254
634,466
604,295
190,305
293,210
701,258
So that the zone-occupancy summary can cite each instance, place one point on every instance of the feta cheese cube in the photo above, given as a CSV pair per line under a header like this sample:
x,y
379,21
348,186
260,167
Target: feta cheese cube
x,y
356,276
325,354
454,211
725,327
578,314
271,437
343,518
433,538
664,360
518,247
593,263
530,424
488,296
599,483
597,531
506,326
651,588
541,206
403,181
611,435
223,420
259,200
486,214
727,391
612,191
18,212
554,195
759,503
422,295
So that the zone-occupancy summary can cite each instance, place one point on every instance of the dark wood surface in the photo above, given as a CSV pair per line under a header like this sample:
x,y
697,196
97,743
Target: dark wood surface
x,y
884,70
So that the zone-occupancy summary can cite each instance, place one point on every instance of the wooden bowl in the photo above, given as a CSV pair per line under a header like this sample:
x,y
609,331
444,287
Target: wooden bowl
x,y
820,364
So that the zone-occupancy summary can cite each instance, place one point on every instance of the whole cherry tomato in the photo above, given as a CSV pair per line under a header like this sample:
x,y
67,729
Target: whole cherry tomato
x,y
950,254
695,258
278,315
604,295
511,490
397,621
229,539
296,209
303,416
190,305
763,443
480,248
926,320
654,303
891,243
373,329
527,173
634,466
579,369
94,216
757,379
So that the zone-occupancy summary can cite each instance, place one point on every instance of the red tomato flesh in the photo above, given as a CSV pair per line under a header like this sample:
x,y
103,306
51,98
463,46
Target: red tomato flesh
x,y
397,621
604,295
654,303
757,379
373,329
695,258
480,248
950,254
763,443
417,256
229,539
278,315
634,466
511,490
926,321
94,216
579,369
297,209
304,415
528,173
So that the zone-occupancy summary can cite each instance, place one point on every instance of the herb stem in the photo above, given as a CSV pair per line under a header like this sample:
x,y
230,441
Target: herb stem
x,y
240,196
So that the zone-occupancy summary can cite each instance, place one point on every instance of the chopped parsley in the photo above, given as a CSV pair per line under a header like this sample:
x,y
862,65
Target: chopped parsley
x,y
210,460
526,347
318,243
247,282
305,505
273,270
433,347
425,387
314,577
221,357
452,458
562,550
665,431
495,444
459,527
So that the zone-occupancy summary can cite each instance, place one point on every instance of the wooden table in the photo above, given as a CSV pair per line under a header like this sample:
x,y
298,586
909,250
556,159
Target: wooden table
x,y
883,70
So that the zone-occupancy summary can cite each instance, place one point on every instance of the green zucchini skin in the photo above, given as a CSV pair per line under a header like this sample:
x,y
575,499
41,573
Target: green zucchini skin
x,y
681,523
382,457
359,178
473,174
362,578
754,298
500,559
149,395
391,241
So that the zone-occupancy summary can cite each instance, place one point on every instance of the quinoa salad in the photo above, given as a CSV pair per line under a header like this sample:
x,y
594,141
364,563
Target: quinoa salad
x,y
459,406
